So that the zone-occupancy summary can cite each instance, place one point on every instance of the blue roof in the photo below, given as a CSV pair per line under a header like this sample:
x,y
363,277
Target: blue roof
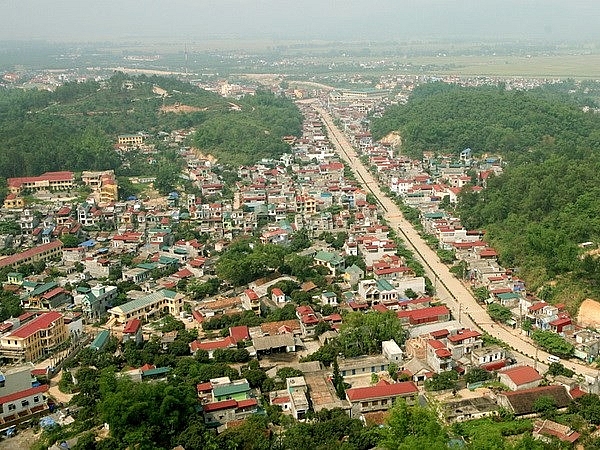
x,y
88,243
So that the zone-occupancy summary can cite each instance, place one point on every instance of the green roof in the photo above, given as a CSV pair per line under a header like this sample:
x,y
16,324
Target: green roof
x,y
100,340
147,266
384,285
30,284
167,260
142,302
14,274
329,257
155,372
230,389
44,288
508,295
355,269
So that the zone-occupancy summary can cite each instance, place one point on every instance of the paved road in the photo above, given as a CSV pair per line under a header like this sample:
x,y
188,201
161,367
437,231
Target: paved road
x,y
449,289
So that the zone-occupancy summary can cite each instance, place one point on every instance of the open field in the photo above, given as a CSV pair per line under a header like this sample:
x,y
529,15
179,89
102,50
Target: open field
x,y
572,66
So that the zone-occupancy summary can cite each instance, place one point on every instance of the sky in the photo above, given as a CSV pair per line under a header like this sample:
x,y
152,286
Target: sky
x,y
310,20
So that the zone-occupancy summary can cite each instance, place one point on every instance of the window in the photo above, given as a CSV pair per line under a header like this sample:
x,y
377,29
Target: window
x,y
36,399
383,402
24,403
11,407
365,404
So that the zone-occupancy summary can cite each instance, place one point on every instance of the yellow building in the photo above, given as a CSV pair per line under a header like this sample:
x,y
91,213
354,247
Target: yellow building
x,y
130,140
164,301
36,339
13,201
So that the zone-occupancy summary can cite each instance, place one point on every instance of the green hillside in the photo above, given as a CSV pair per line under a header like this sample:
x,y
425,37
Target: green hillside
x,y
75,127
548,199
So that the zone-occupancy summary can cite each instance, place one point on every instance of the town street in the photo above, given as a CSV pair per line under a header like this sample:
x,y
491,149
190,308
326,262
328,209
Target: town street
x,y
448,288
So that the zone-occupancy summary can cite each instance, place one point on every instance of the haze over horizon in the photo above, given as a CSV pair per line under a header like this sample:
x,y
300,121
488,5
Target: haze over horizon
x,y
280,20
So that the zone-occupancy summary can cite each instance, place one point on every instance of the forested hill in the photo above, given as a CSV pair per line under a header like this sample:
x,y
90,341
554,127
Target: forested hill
x,y
450,118
548,199
75,127
251,130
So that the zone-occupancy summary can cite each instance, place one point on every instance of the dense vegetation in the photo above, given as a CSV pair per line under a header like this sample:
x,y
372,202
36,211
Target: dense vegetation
x,y
545,203
251,133
75,127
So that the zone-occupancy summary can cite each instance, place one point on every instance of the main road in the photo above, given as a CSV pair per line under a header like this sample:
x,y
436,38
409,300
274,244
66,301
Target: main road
x,y
448,288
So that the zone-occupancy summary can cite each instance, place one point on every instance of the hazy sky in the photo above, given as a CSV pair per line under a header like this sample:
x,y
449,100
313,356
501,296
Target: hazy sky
x,y
356,20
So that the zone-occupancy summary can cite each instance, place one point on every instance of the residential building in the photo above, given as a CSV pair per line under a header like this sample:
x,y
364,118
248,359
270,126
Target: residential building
x,y
520,377
333,261
49,181
353,274
277,295
439,357
381,396
19,398
377,291
425,315
35,339
297,389
522,402
329,298
42,252
100,340
133,331
464,341
308,320
392,351
363,365
96,299
148,305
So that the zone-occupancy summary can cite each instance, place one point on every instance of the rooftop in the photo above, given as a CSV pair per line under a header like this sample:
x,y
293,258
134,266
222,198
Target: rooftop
x,y
382,389
41,322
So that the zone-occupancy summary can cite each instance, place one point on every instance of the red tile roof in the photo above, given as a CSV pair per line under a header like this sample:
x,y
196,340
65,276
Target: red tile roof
x,y
48,176
247,402
522,375
424,313
213,345
23,394
494,365
18,257
382,390
217,406
439,334
132,326
277,292
239,333
204,387
463,335
379,308
41,322
54,292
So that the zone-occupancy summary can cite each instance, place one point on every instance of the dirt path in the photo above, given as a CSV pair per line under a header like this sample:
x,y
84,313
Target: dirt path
x,y
55,393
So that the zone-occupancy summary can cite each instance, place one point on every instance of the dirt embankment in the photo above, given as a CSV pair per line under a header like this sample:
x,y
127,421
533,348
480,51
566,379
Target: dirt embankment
x,y
589,314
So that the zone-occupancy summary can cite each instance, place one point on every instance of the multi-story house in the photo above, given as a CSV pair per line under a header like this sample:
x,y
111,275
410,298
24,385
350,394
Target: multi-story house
x,y
463,342
381,396
96,299
439,357
19,398
144,307
49,181
35,339
377,291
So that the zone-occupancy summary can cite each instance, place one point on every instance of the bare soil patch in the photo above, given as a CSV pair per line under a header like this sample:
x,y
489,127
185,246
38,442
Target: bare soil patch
x,y
179,109
589,314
